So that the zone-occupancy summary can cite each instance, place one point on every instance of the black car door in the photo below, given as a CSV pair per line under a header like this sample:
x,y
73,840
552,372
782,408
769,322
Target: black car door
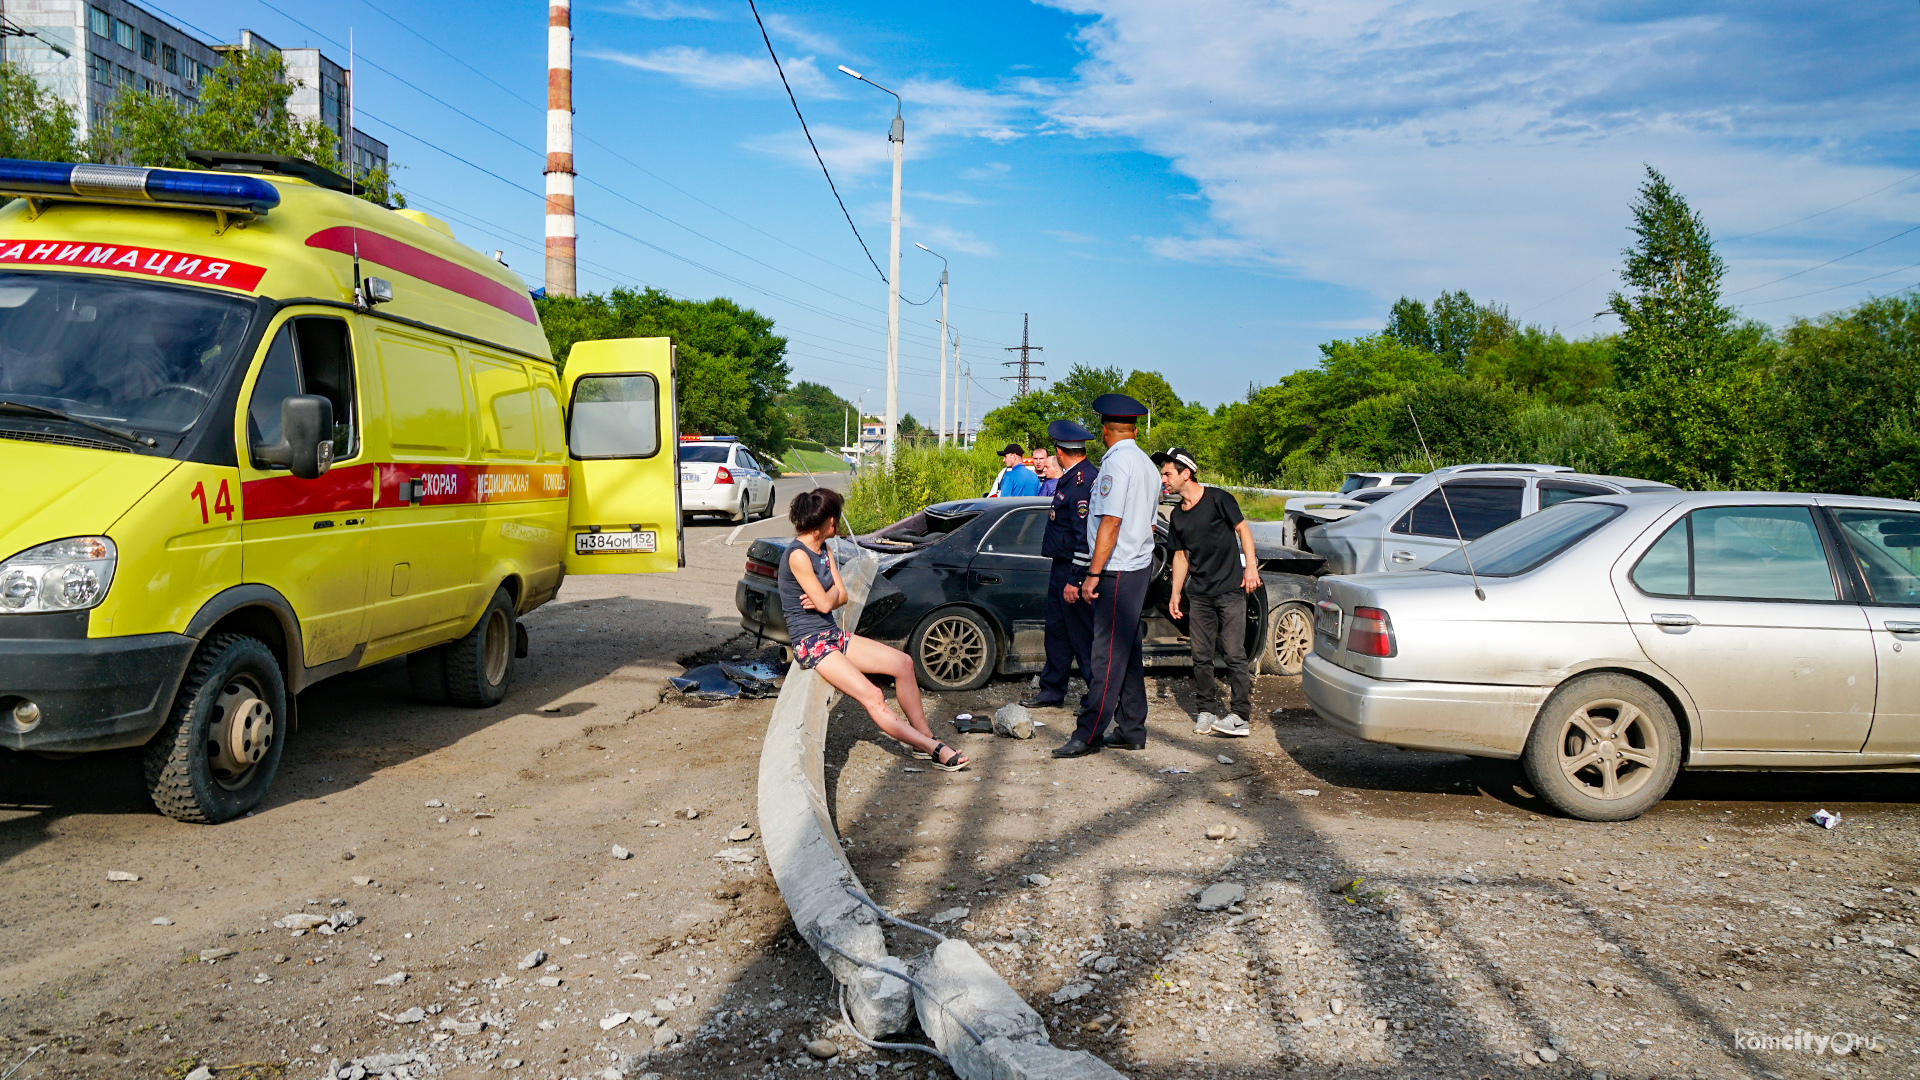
x,y
1008,577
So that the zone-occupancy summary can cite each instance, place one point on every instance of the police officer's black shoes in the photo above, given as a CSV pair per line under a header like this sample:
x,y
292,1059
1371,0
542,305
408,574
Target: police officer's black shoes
x,y
1039,702
1076,748
1123,744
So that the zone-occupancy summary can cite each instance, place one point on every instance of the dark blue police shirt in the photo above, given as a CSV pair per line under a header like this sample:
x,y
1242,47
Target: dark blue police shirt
x,y
1067,517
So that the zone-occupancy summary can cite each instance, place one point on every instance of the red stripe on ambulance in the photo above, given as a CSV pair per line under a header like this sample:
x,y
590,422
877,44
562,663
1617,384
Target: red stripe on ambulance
x,y
365,487
154,262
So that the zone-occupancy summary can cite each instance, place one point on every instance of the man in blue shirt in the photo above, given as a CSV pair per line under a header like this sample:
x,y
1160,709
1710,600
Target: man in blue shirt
x,y
1119,561
1016,479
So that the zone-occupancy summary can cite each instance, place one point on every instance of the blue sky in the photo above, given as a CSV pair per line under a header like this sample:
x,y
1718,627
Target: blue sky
x,y
1206,188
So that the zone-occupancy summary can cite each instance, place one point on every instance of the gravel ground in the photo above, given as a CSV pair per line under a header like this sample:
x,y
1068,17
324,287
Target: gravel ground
x,y
1400,914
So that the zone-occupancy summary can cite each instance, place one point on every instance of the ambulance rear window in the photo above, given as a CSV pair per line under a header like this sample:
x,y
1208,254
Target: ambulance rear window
x,y
130,353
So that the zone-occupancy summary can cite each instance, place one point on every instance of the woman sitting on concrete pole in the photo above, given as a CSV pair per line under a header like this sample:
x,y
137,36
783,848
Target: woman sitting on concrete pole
x,y
810,587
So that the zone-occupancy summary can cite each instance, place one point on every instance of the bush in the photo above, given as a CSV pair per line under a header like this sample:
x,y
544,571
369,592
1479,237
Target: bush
x,y
1462,419
919,478
802,444
1582,437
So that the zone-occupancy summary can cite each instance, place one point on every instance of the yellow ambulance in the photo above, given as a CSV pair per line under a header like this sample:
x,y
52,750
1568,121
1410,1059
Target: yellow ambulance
x,y
260,432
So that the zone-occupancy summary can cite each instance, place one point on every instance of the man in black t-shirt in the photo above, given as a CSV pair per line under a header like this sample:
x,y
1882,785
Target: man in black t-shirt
x,y
1213,565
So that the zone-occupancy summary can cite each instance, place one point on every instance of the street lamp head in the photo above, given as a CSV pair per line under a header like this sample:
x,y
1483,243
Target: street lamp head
x,y
924,248
852,72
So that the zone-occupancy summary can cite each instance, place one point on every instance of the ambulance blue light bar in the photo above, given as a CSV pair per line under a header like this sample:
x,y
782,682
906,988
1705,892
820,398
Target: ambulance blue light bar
x,y
125,183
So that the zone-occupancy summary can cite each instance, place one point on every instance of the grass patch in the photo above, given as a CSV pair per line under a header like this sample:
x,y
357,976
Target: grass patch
x,y
817,461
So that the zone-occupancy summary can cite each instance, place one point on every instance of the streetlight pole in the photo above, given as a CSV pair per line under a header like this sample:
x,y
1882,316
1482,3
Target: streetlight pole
x,y
943,339
897,135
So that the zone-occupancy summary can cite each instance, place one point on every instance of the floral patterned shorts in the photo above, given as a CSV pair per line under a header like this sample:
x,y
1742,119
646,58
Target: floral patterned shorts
x,y
810,650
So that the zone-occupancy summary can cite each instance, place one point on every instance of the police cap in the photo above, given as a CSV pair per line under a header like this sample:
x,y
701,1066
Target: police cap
x,y
1118,407
1068,435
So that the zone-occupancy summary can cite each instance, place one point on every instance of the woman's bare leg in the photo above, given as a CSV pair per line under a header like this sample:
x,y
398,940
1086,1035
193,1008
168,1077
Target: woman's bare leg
x,y
876,659
840,671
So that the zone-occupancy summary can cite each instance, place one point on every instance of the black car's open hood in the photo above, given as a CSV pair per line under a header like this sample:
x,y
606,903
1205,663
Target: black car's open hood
x,y
928,527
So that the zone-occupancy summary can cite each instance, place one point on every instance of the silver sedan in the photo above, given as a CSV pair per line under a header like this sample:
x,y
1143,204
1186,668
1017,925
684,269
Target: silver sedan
x,y
1623,637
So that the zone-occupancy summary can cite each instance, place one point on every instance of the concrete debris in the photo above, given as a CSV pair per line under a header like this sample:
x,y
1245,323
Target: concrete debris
x,y
739,856
1223,759
434,804
1223,832
608,1023
823,1049
300,920
463,1027
533,959
201,1073
361,880
664,1036
121,875
690,813
214,956
411,1016
1013,721
398,978
548,981
163,921
1306,791
1037,881
621,853
1071,992
1106,964
952,915
1221,895
741,835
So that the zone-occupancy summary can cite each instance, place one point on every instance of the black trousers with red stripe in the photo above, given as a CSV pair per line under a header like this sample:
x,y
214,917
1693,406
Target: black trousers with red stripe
x,y
1116,702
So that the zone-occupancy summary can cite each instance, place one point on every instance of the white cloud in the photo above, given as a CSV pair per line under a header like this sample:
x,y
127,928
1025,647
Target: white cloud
x,y
704,70
957,198
665,10
1416,145
786,28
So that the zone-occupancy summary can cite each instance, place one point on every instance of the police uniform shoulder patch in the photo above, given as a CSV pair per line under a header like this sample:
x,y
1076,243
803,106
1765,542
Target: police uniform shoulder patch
x,y
1083,508
1106,485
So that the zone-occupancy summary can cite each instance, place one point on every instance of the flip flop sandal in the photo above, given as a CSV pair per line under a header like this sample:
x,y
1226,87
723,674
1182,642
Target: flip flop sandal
x,y
958,760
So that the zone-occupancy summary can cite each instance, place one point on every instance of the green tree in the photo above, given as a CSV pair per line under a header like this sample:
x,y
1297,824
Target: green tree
x,y
242,109
1537,362
815,412
1454,329
733,366
1081,385
1150,388
1687,369
1024,420
1846,388
34,124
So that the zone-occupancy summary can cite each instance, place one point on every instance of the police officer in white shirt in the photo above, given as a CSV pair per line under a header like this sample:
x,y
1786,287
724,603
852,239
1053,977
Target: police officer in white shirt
x,y
1119,560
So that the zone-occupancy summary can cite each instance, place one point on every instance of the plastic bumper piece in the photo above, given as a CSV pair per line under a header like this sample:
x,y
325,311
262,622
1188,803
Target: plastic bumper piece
x,y
1457,718
93,693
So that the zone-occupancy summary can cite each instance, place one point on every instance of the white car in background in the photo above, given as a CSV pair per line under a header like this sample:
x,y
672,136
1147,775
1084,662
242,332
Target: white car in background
x,y
720,476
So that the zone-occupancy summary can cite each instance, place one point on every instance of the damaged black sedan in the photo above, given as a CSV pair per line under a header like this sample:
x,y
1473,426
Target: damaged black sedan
x,y
961,588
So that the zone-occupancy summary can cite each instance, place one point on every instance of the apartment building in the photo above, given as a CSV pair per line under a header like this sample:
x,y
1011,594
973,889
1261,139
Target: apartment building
x,y
114,46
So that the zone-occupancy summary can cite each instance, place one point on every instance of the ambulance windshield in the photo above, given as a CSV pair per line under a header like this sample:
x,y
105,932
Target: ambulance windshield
x,y
127,353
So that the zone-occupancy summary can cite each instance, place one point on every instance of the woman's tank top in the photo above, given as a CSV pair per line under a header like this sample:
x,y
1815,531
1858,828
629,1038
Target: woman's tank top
x,y
802,623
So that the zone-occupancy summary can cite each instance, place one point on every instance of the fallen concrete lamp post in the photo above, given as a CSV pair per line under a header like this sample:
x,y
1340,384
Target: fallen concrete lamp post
x,y
978,1023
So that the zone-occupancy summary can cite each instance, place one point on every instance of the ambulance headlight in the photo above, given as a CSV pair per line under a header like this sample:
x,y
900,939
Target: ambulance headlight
x,y
66,575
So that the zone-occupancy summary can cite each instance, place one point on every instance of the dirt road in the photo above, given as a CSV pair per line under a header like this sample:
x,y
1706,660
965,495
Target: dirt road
x,y
1482,937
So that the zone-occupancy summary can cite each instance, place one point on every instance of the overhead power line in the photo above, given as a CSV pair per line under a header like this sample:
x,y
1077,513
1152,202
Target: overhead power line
x,y
1835,288
1828,210
810,142
1829,262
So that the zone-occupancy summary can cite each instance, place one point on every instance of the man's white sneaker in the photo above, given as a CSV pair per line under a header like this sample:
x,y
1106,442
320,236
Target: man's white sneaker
x,y
1232,725
1205,723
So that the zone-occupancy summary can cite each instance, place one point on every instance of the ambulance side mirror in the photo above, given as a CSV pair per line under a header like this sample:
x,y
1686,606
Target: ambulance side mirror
x,y
306,445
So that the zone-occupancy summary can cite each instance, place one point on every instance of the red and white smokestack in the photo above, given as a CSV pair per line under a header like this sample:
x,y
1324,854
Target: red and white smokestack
x,y
560,228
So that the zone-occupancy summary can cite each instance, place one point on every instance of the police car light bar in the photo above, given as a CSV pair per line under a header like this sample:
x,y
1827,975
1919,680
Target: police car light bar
x,y
125,183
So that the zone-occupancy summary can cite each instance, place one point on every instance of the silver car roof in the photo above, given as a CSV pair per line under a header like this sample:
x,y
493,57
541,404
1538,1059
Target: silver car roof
x,y
1690,499
1405,497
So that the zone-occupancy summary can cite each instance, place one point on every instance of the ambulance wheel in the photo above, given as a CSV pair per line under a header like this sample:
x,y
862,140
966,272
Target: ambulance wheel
x,y
480,665
219,749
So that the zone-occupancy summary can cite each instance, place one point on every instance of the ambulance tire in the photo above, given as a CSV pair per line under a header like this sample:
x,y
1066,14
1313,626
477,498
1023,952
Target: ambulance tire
x,y
220,748
480,665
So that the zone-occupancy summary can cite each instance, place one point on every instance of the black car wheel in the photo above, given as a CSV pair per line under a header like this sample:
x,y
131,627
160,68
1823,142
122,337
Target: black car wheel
x,y
953,649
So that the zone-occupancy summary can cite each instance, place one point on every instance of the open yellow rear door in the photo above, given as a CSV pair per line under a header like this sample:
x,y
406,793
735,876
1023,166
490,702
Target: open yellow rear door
x,y
623,512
